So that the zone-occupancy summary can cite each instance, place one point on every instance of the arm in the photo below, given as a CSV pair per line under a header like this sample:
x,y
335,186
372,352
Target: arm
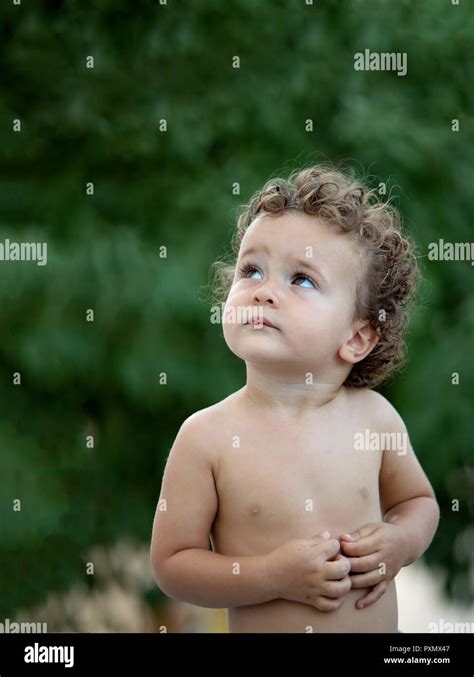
x,y
184,567
208,579
407,497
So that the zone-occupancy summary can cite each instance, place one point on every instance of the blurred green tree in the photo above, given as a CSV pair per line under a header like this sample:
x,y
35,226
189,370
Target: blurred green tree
x,y
174,189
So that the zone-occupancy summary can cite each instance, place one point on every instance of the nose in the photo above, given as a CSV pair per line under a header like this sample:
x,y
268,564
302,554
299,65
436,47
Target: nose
x,y
265,295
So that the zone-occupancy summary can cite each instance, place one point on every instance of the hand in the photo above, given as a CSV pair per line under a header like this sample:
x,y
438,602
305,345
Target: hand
x,y
301,571
376,553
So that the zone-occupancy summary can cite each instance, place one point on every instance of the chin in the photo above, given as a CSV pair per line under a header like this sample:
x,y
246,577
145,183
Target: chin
x,y
259,354
247,352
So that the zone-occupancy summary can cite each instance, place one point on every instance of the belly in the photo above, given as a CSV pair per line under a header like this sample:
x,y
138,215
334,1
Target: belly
x,y
284,616
256,529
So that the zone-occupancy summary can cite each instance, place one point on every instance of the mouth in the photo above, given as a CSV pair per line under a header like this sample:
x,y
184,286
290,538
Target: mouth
x,y
259,325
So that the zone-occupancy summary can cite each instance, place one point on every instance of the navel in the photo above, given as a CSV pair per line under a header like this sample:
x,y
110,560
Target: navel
x,y
364,492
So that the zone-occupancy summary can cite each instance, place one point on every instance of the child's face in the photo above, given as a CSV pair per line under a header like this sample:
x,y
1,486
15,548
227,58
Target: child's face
x,y
303,275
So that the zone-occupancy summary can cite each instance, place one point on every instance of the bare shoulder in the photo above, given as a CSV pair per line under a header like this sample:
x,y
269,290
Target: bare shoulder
x,y
375,408
204,430
211,418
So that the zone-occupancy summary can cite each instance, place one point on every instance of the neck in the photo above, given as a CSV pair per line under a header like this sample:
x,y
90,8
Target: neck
x,y
287,393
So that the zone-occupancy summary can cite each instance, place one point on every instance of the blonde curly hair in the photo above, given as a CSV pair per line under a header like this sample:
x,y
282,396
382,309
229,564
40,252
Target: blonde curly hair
x,y
389,284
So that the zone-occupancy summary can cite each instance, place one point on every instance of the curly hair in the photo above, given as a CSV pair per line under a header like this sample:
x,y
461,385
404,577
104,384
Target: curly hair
x,y
388,285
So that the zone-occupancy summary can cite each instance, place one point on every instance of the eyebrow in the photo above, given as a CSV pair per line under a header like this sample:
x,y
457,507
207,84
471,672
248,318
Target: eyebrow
x,y
302,263
255,250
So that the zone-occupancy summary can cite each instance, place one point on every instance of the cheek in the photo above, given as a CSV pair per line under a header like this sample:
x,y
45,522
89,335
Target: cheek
x,y
232,309
227,332
326,318
230,329
234,297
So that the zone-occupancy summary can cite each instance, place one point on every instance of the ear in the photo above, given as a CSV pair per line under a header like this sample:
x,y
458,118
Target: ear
x,y
359,344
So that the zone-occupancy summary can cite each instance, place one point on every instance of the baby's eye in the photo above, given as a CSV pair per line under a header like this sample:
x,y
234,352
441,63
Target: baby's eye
x,y
300,276
248,271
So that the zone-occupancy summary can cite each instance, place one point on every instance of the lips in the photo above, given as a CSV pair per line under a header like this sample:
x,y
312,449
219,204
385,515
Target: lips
x,y
265,322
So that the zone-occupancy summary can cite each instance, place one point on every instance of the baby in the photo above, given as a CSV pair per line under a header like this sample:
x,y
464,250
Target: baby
x,y
295,501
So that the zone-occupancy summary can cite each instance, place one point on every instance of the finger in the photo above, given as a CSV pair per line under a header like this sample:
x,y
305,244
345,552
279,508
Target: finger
x,y
319,538
347,537
337,569
329,548
337,588
326,604
375,594
364,547
366,580
360,565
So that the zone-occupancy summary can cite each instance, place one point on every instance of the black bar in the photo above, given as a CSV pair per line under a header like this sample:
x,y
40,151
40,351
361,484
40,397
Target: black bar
x,y
291,653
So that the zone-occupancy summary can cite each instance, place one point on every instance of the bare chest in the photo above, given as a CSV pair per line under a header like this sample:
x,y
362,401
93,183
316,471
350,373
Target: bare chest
x,y
276,483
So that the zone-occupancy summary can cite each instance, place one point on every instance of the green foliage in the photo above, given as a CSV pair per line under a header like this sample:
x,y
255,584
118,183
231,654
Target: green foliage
x,y
174,189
